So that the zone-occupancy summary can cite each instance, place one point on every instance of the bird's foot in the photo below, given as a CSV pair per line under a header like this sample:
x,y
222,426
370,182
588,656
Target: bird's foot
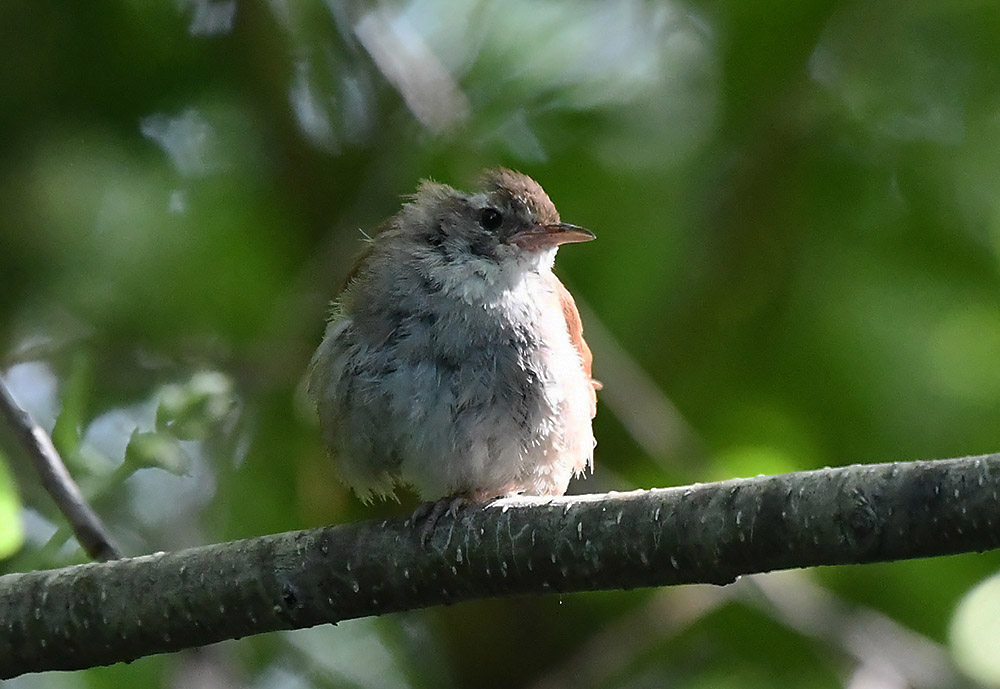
x,y
427,515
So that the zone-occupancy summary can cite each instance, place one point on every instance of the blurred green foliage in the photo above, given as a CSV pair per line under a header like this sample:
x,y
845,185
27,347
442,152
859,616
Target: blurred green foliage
x,y
11,529
798,212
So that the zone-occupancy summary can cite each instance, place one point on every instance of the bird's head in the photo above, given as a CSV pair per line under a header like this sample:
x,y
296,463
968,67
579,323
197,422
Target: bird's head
x,y
510,218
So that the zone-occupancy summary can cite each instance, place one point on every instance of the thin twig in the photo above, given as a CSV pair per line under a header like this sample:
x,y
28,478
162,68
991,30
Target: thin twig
x,y
56,479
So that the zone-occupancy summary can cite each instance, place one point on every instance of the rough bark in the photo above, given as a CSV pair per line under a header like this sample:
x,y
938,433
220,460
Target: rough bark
x,y
711,533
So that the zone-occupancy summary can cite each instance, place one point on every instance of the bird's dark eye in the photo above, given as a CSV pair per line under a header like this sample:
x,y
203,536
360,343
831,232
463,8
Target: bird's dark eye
x,y
490,219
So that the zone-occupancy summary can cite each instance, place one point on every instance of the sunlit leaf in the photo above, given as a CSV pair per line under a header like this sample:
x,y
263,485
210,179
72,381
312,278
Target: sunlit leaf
x,y
11,527
975,632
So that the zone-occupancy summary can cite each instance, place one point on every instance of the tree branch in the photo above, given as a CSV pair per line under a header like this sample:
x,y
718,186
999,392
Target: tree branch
x,y
55,477
117,611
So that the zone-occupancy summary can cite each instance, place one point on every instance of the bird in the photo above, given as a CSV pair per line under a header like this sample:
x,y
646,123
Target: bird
x,y
453,361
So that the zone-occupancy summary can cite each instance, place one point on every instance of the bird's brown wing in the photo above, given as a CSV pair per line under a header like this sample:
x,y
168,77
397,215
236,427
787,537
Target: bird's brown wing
x,y
575,327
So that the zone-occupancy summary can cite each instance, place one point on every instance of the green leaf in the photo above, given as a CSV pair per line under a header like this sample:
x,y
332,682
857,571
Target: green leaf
x,y
75,398
156,449
11,527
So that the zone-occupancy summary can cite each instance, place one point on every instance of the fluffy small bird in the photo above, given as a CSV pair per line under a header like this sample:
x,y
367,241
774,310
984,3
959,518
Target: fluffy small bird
x,y
454,359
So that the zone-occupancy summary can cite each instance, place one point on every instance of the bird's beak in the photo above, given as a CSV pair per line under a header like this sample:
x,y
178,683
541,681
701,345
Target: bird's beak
x,y
554,234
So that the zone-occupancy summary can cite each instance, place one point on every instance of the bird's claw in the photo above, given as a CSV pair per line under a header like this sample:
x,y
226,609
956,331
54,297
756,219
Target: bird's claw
x,y
427,515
